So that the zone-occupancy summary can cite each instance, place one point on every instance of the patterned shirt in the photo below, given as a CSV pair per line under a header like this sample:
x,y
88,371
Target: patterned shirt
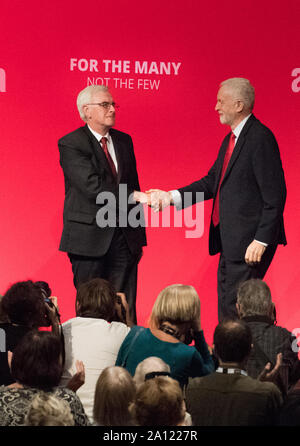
x,y
15,403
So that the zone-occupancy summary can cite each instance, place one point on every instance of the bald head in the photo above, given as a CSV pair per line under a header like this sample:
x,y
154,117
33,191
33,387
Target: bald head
x,y
232,341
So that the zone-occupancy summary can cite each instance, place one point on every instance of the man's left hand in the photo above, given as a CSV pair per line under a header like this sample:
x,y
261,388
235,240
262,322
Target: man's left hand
x,y
269,374
254,253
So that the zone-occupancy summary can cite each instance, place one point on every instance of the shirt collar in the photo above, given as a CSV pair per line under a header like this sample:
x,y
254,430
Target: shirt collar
x,y
239,127
231,371
258,318
98,136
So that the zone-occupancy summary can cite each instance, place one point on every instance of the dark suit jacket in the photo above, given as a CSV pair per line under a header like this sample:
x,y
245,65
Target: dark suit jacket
x,y
252,194
87,173
232,400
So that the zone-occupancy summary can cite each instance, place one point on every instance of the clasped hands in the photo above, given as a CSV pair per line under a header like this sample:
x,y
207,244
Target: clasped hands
x,y
156,198
159,199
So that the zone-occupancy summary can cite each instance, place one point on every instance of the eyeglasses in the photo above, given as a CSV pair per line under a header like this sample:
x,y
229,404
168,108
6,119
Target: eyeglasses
x,y
105,105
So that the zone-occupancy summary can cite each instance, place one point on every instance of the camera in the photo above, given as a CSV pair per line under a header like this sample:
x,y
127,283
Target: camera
x,y
123,310
46,293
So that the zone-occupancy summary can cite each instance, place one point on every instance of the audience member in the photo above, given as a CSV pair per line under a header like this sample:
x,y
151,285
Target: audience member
x,y
174,323
159,402
150,368
229,397
255,307
290,412
95,335
25,309
48,410
36,365
3,316
115,391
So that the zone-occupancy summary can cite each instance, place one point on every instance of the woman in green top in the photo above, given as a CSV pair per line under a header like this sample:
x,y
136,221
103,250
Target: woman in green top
x,y
174,323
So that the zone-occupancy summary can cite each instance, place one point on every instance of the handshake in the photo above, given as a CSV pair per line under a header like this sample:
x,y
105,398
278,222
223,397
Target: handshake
x,y
156,198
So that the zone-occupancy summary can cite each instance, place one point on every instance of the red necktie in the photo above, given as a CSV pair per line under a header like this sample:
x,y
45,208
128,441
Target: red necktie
x,y
109,158
216,215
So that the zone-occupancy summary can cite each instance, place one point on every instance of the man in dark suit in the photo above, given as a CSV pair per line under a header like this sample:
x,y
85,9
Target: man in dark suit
x,y
247,185
229,397
100,180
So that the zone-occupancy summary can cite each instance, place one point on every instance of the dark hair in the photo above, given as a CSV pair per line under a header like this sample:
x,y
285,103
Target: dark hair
x,y
97,298
24,305
36,360
232,340
44,287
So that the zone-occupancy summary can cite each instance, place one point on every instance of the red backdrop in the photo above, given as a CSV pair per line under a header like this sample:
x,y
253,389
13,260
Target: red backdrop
x,y
171,118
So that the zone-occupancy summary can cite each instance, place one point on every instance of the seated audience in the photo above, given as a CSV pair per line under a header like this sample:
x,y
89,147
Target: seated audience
x,y
47,410
150,368
255,307
36,365
115,391
25,309
3,316
290,412
95,335
159,402
174,323
229,397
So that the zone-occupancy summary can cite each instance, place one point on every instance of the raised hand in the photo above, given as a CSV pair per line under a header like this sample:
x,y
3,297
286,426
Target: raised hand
x,y
269,374
78,379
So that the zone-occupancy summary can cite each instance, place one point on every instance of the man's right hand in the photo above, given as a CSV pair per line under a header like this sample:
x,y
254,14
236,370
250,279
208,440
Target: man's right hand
x,y
159,199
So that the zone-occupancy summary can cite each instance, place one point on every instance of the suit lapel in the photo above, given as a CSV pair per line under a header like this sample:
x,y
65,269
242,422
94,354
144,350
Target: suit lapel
x,y
223,149
119,153
99,154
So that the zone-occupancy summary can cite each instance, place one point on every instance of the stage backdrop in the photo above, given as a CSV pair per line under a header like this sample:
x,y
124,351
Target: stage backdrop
x,y
163,62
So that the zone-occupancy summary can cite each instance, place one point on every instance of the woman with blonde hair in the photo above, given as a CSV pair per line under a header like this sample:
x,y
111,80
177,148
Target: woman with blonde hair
x,y
174,324
159,402
115,391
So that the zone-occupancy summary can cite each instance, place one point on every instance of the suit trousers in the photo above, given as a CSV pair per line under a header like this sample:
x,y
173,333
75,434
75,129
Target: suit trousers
x,y
118,266
231,274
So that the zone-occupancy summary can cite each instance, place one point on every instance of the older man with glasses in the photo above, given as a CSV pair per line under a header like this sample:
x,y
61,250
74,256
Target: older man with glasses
x,y
100,177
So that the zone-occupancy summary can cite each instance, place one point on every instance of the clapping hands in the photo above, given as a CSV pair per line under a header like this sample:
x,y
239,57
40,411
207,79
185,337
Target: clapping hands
x,y
78,379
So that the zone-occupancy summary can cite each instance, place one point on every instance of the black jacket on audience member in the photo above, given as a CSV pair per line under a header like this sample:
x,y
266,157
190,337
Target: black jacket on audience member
x,y
11,335
269,340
